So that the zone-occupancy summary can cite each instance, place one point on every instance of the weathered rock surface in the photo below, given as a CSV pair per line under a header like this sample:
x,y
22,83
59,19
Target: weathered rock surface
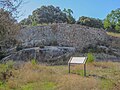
x,y
62,35
49,54
114,42
106,57
56,43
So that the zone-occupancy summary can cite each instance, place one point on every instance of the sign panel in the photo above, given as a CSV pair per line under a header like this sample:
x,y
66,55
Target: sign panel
x,y
77,60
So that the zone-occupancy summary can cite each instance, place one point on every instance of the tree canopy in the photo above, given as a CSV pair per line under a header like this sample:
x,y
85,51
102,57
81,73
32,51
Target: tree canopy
x,y
45,14
91,22
8,24
70,18
112,21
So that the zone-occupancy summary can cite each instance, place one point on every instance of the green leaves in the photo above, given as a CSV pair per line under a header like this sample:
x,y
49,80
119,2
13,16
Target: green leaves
x,y
90,58
107,23
45,15
112,21
117,27
69,13
91,22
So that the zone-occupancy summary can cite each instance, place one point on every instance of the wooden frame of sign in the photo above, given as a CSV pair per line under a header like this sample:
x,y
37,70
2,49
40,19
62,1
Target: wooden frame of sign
x,y
78,60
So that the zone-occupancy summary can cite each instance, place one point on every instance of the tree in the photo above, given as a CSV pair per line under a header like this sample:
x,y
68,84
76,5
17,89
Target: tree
x,y
8,29
8,24
11,6
112,21
117,27
91,22
69,13
45,14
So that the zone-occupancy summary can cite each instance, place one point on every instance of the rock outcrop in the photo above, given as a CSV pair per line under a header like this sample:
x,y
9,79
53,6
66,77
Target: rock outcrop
x,y
62,35
55,43
48,54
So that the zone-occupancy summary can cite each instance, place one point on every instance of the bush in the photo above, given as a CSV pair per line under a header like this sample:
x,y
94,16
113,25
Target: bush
x,y
34,62
6,72
90,22
90,58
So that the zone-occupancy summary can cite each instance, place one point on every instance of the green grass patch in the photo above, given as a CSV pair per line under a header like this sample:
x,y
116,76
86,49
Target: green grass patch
x,y
3,86
106,84
48,86
39,86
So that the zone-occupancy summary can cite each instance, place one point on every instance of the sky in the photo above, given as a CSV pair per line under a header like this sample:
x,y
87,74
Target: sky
x,y
91,8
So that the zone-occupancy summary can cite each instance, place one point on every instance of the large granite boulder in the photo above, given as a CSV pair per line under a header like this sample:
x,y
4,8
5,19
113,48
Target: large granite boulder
x,y
74,35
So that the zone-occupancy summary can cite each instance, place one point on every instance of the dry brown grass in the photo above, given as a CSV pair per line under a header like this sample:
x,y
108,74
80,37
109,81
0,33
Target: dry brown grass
x,y
75,82
100,76
113,34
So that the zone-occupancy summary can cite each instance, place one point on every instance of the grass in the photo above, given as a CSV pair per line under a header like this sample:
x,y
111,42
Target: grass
x,y
100,76
113,34
39,86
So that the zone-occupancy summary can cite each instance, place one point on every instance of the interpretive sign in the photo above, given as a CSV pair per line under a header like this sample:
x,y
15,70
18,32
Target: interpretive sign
x,y
78,60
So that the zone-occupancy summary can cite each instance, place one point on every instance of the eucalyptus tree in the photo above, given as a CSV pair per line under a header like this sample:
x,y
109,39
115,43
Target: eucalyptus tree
x,y
69,13
112,21
45,14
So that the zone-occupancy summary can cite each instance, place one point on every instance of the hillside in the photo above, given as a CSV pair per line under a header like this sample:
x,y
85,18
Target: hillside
x,y
57,42
32,76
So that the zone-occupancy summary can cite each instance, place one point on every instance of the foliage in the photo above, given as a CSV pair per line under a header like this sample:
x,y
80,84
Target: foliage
x,y
90,58
8,29
117,27
70,18
45,14
34,23
5,72
8,24
91,22
112,21
33,61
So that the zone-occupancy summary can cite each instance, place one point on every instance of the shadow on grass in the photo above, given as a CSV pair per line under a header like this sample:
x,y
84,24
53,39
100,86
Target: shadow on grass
x,y
78,72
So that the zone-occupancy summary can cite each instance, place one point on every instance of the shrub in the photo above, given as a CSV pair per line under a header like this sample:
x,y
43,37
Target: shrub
x,y
90,58
34,62
34,23
6,72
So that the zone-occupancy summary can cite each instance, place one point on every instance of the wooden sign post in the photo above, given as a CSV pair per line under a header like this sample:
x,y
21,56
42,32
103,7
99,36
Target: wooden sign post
x,y
77,60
